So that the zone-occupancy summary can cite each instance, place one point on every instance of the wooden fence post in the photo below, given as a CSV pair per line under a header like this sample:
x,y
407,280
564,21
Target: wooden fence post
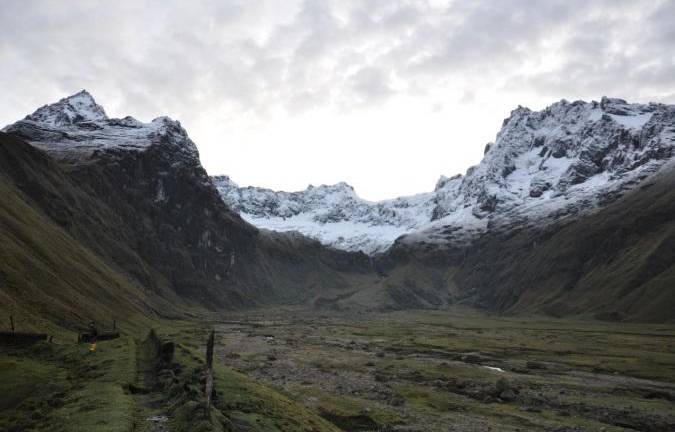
x,y
11,322
209,369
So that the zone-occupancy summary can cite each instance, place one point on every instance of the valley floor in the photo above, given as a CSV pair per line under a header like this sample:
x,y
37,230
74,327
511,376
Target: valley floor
x,y
281,370
460,370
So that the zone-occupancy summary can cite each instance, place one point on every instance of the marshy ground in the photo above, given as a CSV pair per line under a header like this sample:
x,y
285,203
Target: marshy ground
x,y
283,370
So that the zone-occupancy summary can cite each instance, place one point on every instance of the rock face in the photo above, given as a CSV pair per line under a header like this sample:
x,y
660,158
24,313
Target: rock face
x,y
545,166
136,194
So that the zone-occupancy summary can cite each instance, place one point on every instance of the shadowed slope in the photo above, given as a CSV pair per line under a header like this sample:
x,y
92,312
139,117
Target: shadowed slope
x,y
47,277
180,248
617,263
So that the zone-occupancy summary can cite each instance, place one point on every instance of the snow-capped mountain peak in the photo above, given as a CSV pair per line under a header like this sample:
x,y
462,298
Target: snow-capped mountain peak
x,y
76,128
78,108
563,161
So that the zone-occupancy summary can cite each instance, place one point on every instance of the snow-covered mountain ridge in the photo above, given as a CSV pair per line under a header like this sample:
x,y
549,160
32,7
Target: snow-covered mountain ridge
x,y
333,214
561,162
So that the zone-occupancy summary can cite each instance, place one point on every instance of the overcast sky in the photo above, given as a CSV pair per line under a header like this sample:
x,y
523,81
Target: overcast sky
x,y
386,95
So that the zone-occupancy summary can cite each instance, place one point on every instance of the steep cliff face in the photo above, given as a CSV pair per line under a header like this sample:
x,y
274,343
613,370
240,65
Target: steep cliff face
x,y
136,194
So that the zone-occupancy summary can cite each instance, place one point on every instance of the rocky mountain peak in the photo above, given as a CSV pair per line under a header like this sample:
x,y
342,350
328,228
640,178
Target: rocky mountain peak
x,y
443,181
77,108
337,191
76,129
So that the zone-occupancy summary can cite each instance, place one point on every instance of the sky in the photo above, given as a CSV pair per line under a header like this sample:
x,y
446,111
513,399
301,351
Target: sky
x,y
387,95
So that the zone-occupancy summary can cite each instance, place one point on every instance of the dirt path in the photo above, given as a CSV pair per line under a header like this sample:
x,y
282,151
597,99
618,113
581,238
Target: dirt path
x,y
150,414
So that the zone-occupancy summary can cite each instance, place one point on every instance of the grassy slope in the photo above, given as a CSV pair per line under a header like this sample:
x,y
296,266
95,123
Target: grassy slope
x,y
59,387
49,281
239,399
620,259
62,387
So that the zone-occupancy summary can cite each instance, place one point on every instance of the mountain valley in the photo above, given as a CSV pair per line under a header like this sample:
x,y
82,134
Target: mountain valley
x,y
534,292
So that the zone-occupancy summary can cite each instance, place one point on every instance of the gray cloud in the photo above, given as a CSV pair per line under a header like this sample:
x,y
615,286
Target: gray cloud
x,y
255,56
371,85
268,77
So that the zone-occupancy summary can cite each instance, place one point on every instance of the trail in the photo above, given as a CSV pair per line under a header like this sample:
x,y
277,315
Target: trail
x,y
150,413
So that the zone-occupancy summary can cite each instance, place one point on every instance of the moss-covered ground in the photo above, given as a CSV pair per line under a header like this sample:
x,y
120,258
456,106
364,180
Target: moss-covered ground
x,y
61,386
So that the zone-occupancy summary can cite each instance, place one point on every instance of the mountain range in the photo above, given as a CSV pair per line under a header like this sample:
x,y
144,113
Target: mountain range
x,y
562,162
570,212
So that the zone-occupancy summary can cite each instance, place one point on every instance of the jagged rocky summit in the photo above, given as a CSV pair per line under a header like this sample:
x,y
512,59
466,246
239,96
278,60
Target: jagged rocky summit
x,y
333,214
544,167
76,128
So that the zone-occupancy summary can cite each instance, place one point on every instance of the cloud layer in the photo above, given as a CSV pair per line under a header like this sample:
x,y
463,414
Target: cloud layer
x,y
418,86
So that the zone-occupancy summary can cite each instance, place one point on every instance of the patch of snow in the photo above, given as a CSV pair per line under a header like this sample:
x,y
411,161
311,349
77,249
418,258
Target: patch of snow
x,y
632,121
595,115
